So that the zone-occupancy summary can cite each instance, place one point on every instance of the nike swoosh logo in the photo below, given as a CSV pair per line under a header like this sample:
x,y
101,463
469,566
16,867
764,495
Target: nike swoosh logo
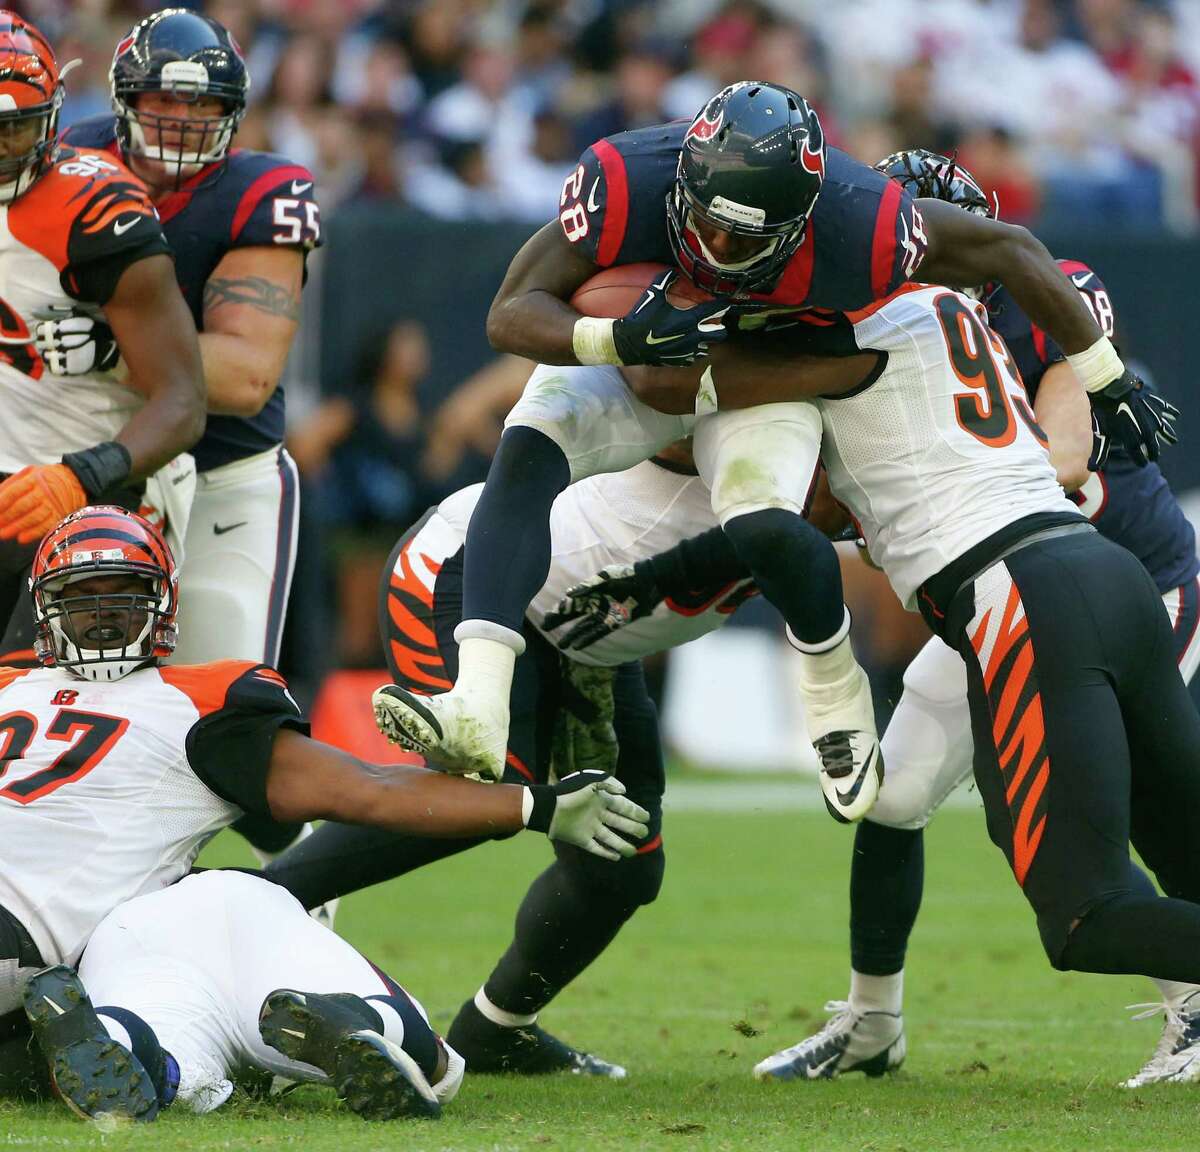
x,y
123,226
592,202
813,1071
220,530
848,797
299,186
60,1011
1079,279
652,339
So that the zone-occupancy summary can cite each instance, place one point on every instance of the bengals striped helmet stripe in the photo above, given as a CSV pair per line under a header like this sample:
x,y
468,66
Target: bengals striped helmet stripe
x,y
28,71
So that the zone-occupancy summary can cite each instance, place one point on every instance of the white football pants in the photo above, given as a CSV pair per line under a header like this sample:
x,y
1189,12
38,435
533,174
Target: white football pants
x,y
196,960
239,554
750,458
927,748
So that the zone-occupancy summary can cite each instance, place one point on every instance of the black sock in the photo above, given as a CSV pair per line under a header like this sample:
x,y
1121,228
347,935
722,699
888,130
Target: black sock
x,y
1137,934
887,875
565,921
795,567
508,539
160,1065
420,1041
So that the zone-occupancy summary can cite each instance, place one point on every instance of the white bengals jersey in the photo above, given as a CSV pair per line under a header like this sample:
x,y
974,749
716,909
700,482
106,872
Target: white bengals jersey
x,y
110,790
941,451
616,518
64,242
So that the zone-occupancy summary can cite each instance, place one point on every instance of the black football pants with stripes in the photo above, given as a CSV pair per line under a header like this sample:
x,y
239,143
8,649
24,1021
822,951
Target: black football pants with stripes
x,y
1086,740
574,908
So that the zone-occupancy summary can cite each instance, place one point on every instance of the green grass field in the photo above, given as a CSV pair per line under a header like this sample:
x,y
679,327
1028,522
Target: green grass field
x,y
734,961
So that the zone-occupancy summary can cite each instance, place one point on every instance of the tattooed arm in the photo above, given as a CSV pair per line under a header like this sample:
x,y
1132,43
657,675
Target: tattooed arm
x,y
251,311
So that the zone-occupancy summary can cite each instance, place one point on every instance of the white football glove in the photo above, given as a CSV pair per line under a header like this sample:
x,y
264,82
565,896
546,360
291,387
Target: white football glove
x,y
587,809
73,342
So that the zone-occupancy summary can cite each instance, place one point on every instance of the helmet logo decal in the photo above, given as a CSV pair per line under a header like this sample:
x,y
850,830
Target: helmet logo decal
x,y
734,213
185,76
813,160
708,123
125,45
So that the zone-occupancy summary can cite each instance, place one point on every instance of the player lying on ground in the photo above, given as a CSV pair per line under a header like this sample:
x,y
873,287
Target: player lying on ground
x,y
223,975
577,906
118,770
1085,737
740,184
79,231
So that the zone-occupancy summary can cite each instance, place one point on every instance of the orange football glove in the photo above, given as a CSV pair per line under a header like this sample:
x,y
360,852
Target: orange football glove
x,y
33,500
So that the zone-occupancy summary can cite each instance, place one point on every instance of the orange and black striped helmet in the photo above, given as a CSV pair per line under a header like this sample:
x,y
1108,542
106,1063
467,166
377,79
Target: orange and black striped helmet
x,y
31,94
107,634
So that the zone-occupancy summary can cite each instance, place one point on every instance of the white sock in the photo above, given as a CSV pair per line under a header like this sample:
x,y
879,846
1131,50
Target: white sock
x,y
485,668
499,1016
877,993
1174,992
393,1026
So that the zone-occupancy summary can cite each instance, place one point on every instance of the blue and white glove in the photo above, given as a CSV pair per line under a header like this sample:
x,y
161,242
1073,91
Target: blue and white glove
x,y
587,809
656,332
73,342
1129,412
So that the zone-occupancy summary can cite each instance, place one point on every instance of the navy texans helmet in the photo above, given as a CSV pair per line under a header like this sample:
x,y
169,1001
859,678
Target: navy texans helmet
x,y
191,57
932,176
752,164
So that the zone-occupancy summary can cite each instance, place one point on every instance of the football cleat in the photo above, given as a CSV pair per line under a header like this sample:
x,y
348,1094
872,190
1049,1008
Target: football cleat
x,y
456,732
1176,1058
336,1033
870,1042
841,725
525,1050
91,1073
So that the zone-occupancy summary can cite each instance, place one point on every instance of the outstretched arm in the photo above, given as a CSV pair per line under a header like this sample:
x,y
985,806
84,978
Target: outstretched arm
x,y
308,780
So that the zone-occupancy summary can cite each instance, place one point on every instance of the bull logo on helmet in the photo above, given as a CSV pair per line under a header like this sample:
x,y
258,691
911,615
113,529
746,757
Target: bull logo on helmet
x,y
708,121
812,151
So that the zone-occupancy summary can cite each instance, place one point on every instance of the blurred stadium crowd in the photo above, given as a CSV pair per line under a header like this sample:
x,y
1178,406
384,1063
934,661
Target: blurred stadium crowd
x,y
1079,112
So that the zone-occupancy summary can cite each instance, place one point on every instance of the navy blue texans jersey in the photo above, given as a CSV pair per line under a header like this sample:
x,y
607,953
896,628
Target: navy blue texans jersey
x,y
864,239
1132,506
250,199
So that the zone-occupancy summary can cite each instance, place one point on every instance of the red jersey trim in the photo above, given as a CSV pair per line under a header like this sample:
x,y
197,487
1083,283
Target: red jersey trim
x,y
8,675
883,247
253,195
861,314
616,207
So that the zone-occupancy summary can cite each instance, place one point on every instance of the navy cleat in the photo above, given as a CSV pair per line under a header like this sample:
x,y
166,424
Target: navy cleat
x,y
339,1034
525,1050
869,1042
91,1073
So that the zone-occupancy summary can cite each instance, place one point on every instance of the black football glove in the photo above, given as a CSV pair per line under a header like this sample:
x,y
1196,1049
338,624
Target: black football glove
x,y
656,332
1130,413
603,603
73,342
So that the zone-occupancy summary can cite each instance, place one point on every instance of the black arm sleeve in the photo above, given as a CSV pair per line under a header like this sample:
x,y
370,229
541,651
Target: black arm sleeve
x,y
230,748
703,562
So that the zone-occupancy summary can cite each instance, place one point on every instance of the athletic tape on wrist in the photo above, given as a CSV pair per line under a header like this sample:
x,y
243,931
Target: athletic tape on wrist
x,y
592,341
1098,366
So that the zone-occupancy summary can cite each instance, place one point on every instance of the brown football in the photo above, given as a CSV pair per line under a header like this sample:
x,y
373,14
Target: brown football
x,y
615,291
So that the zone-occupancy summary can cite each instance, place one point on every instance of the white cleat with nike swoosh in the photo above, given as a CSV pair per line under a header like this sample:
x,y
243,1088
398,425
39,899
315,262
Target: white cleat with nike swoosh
x,y
868,1042
841,725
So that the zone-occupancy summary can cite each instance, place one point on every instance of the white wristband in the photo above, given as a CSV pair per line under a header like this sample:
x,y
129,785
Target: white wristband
x,y
1098,366
526,806
592,341
706,394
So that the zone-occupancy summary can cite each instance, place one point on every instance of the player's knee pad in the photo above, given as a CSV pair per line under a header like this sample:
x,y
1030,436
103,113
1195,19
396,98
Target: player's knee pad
x,y
591,414
757,458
